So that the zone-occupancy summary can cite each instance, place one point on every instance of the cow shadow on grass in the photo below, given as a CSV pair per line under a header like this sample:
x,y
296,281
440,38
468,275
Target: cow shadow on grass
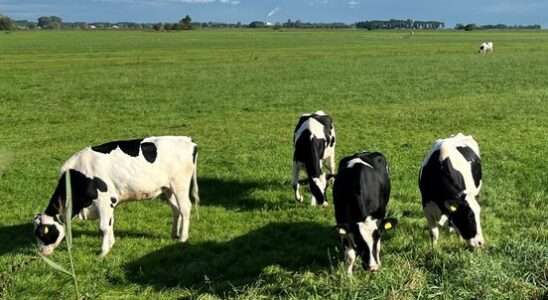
x,y
222,266
16,238
237,194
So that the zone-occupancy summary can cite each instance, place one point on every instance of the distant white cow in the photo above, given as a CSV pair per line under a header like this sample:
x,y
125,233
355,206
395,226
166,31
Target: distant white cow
x,y
486,47
106,175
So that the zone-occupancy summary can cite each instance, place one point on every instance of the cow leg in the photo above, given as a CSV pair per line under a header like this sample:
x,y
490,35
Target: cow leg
x,y
176,215
350,255
433,217
184,205
295,181
106,223
330,163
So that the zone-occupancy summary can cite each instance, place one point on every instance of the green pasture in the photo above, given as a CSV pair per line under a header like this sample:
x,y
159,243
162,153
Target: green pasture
x,y
239,93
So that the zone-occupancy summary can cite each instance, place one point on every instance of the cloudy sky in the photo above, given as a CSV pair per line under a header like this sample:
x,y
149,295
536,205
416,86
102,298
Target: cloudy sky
x,y
349,11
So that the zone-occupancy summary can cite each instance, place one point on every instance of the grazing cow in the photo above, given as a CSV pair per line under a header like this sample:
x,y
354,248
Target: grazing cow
x,y
450,182
104,176
486,47
314,143
360,195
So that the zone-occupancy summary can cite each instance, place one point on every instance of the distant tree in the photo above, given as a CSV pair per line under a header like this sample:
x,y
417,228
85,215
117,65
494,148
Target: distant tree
x,y
51,22
167,26
83,25
157,26
470,27
186,23
31,26
257,24
6,23
238,25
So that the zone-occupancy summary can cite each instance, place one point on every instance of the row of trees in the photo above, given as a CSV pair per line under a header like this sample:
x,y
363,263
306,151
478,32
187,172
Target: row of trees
x,y
184,24
54,22
470,27
400,24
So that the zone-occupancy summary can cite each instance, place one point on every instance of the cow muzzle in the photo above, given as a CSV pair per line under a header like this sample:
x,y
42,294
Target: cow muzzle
x,y
476,242
46,250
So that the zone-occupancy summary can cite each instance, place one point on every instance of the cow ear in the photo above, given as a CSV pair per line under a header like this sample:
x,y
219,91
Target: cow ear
x,y
387,224
453,205
37,220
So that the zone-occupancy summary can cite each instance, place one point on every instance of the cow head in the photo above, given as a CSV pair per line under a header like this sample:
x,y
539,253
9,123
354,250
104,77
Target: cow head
x,y
365,238
465,217
49,232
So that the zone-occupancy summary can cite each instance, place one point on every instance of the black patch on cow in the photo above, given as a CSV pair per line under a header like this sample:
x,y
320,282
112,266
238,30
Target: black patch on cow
x,y
84,191
47,238
113,200
361,191
475,163
130,147
309,151
150,152
440,181
463,219
110,222
101,185
481,47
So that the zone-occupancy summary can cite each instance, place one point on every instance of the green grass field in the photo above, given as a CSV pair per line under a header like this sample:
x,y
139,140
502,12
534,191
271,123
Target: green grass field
x,y
239,95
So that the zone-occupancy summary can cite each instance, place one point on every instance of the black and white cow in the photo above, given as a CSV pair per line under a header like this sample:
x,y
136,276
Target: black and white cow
x,y
314,143
486,47
104,176
360,195
450,182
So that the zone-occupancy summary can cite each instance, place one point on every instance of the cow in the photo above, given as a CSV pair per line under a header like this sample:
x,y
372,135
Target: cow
x,y
314,143
450,180
360,195
104,176
486,47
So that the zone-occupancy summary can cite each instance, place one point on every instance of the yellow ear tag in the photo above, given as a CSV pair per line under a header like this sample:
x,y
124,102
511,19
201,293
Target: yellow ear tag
x,y
453,208
387,226
342,231
46,230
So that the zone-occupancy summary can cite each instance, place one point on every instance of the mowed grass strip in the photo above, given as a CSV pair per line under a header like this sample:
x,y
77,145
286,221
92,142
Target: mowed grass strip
x,y
238,93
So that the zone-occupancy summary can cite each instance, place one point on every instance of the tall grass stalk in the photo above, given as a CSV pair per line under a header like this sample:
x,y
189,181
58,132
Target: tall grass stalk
x,y
68,238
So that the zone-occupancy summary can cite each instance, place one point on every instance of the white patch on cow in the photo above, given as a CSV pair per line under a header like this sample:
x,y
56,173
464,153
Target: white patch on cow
x,y
315,128
366,230
350,255
354,161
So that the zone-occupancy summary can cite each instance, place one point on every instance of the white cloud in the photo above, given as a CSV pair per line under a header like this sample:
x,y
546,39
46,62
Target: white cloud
x,y
272,12
230,2
354,4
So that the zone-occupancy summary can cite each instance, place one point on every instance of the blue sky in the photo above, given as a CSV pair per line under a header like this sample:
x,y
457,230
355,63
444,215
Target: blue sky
x,y
349,11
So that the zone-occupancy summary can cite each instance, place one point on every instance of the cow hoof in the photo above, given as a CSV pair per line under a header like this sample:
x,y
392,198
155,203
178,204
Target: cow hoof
x,y
325,204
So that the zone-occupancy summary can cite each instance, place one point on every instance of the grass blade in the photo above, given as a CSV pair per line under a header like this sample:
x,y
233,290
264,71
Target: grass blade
x,y
55,265
68,211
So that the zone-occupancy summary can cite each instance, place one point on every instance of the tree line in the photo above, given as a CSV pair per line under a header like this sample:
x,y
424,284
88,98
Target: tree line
x,y
470,27
400,24
186,23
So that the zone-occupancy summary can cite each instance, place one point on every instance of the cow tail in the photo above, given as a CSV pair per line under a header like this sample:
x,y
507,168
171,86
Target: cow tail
x,y
194,195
